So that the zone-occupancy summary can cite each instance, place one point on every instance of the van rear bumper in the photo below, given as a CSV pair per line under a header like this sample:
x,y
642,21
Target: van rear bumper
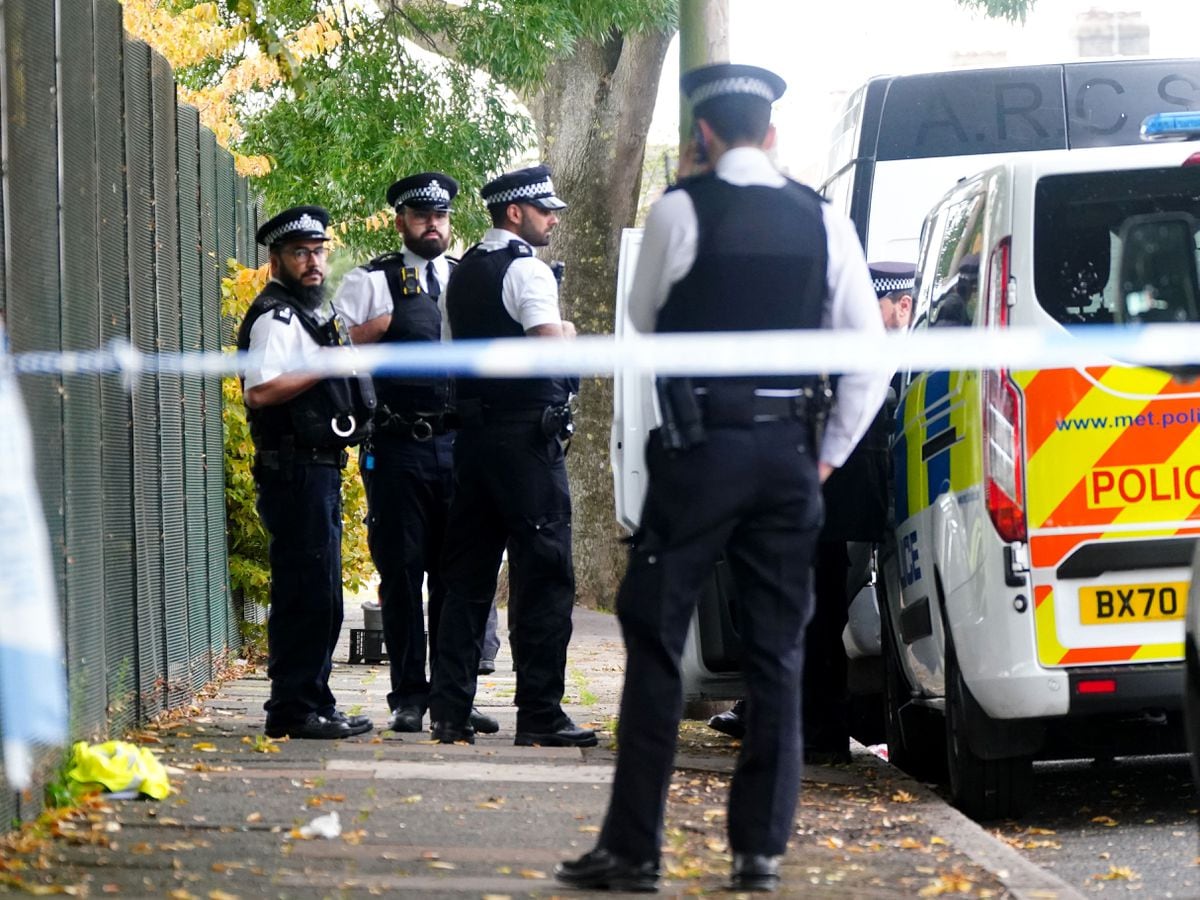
x,y
1121,689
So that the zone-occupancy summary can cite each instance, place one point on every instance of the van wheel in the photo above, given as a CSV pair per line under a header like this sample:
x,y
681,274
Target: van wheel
x,y
982,788
914,734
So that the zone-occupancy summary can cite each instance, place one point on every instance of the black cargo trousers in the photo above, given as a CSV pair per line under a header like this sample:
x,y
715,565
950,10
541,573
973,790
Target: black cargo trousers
x,y
753,495
300,505
510,488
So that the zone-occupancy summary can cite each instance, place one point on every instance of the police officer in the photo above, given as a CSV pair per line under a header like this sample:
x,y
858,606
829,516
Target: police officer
x,y
510,477
738,249
301,424
856,510
406,467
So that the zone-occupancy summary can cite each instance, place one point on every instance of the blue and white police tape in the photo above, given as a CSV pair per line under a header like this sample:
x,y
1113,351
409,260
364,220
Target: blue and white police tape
x,y
733,353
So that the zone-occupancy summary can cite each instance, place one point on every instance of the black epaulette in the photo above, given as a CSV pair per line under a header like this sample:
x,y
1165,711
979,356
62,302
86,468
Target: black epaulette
x,y
805,189
519,249
283,313
382,262
691,179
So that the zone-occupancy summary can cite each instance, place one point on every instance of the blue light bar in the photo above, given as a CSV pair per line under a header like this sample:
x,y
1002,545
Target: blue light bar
x,y
1171,126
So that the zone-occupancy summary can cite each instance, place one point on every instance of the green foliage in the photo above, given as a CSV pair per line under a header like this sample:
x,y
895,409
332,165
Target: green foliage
x,y
371,114
249,566
1012,10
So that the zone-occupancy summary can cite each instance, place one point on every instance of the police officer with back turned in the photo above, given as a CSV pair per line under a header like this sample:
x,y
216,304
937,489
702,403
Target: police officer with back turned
x,y
301,424
740,248
510,477
406,466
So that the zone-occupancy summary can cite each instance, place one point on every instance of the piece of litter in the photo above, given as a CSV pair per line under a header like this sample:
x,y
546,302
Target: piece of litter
x,y
322,826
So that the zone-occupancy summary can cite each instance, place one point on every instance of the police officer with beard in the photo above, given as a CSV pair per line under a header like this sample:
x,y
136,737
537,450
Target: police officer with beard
x,y
510,477
406,467
301,424
740,248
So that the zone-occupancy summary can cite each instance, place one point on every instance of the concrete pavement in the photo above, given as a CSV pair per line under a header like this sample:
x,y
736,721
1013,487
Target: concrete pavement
x,y
489,820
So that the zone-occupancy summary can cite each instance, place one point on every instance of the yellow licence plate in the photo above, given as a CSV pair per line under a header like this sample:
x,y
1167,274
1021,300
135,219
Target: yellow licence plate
x,y
1129,603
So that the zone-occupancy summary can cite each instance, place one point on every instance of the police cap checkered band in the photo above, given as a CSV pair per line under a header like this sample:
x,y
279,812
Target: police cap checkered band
x,y
731,80
428,190
305,223
531,185
892,276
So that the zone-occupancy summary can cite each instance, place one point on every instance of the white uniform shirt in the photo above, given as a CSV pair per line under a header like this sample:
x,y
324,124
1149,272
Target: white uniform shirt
x,y
284,344
363,296
669,251
530,290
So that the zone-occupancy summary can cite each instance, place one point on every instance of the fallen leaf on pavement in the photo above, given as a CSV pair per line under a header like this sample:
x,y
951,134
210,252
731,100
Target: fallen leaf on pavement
x,y
222,895
834,843
531,874
181,894
909,843
903,797
205,747
947,883
254,817
590,829
441,864
1118,873
1106,821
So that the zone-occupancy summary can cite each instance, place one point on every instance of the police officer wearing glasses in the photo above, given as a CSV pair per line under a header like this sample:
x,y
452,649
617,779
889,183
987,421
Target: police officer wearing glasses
x,y
406,466
736,470
510,477
301,424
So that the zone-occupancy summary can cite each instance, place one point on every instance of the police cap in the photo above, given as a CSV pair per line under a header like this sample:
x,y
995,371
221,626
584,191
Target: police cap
x,y
731,80
427,190
531,185
300,223
892,276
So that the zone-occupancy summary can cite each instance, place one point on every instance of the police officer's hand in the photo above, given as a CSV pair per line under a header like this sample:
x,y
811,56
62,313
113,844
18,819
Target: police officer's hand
x,y
568,329
824,470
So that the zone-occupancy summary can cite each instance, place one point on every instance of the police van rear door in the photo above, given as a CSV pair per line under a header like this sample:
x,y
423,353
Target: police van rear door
x,y
1112,453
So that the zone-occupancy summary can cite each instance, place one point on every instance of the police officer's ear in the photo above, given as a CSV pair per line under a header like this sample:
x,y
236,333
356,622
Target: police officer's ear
x,y
769,141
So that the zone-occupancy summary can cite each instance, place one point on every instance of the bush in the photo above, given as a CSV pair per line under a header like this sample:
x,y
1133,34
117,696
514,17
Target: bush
x,y
249,569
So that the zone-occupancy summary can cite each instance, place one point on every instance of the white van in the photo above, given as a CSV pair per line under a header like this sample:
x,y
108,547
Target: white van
x,y
1045,519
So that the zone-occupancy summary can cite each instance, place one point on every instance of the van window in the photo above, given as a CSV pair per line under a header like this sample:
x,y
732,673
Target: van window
x,y
954,293
1077,218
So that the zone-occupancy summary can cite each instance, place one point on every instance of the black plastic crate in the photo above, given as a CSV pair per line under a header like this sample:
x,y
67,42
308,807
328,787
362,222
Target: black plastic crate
x,y
366,646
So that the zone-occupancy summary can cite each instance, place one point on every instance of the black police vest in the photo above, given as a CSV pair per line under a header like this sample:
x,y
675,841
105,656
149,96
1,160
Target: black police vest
x,y
415,317
761,260
333,413
475,306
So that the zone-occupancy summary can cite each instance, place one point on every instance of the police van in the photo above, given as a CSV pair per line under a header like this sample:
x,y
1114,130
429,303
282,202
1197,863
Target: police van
x,y
1045,519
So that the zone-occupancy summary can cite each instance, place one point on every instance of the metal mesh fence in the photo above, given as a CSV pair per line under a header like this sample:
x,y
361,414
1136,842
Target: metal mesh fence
x,y
120,213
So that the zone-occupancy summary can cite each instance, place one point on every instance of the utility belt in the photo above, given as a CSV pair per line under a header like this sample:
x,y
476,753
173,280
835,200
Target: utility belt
x,y
417,426
688,410
288,455
557,420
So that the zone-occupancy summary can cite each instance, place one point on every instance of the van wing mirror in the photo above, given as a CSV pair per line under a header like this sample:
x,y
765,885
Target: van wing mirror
x,y
1158,275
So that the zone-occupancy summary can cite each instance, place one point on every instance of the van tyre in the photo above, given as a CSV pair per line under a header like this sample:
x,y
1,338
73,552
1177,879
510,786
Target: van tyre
x,y
915,739
984,789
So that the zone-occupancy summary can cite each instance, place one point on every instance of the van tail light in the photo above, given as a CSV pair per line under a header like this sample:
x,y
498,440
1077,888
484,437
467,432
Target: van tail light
x,y
1193,160
1003,469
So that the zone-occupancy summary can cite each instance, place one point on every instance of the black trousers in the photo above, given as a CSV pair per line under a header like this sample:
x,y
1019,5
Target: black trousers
x,y
826,694
510,488
301,509
408,486
753,494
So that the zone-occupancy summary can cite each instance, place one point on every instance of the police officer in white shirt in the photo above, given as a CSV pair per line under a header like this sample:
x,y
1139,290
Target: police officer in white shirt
x,y
510,477
301,424
407,466
735,471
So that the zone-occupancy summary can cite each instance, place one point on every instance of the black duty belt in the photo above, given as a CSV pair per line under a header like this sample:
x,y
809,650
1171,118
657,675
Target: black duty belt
x,y
500,416
745,410
279,459
415,426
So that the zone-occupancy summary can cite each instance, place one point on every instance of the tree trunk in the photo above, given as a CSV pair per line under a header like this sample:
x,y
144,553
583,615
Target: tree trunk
x,y
593,114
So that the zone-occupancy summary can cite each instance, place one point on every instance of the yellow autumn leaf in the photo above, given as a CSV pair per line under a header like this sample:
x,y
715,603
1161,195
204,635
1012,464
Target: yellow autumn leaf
x,y
441,864
909,843
590,829
903,797
1106,821
205,747
531,874
834,843
1118,873
947,883
222,895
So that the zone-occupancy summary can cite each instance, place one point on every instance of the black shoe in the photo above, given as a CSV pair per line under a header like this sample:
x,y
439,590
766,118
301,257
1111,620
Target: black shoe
x,y
445,733
567,735
815,756
730,722
406,719
357,724
483,724
601,870
314,727
487,666
754,872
